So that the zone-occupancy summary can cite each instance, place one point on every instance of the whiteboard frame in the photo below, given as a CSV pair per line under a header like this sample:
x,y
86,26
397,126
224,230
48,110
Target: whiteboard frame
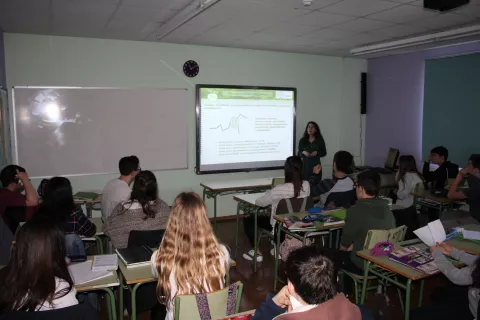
x,y
14,116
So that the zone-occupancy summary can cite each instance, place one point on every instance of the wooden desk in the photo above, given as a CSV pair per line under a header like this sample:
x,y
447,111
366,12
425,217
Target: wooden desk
x,y
410,274
425,198
89,204
215,188
103,284
246,203
319,229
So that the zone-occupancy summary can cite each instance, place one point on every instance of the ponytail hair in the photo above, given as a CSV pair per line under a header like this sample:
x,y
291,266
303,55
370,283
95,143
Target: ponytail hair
x,y
293,174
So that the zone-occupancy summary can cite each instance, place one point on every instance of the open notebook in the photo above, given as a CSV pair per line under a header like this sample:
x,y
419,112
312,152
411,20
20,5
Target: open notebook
x,y
432,233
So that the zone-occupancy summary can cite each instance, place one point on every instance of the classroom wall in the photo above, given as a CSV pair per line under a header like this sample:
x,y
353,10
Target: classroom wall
x,y
395,102
328,89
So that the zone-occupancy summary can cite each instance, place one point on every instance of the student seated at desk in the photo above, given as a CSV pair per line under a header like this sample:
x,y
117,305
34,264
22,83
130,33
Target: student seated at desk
x,y
37,277
58,205
190,259
15,180
293,187
118,190
471,173
368,213
445,171
458,301
341,186
407,178
144,211
311,292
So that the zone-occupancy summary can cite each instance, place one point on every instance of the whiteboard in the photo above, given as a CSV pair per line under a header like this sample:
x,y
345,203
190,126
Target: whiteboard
x,y
78,131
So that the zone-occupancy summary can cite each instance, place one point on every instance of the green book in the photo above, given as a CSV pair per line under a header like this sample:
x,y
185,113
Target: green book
x,y
85,195
341,213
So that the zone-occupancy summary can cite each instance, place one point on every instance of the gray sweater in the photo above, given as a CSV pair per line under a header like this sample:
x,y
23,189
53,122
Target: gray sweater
x,y
462,277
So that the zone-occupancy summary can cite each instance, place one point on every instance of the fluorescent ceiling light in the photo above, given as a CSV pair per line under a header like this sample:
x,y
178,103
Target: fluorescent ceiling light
x,y
193,9
419,40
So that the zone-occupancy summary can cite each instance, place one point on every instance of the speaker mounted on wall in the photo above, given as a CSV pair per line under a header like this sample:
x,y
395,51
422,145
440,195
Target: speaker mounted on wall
x,y
363,93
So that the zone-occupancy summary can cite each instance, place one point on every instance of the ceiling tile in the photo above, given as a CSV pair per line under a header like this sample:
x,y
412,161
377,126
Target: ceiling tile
x,y
211,41
289,29
469,11
401,1
87,11
227,32
297,4
402,14
24,22
362,25
184,33
329,34
358,8
156,4
442,21
322,19
399,31
299,41
25,5
263,37
143,14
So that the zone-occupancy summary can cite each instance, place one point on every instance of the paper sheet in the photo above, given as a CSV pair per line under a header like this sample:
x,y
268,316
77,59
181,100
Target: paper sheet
x,y
472,235
82,272
105,262
432,233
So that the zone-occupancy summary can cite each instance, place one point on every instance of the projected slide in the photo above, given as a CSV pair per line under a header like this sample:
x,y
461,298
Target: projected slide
x,y
244,128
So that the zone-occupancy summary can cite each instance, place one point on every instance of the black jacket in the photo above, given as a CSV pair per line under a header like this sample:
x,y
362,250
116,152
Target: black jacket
x,y
440,176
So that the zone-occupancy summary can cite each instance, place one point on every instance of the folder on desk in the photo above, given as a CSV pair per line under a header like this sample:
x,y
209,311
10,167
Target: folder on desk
x,y
135,256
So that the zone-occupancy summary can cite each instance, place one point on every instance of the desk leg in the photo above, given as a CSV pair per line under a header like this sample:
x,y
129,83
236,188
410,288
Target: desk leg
x,y
204,194
236,231
408,291
99,243
133,316
278,227
111,303
89,207
420,298
120,294
255,247
365,281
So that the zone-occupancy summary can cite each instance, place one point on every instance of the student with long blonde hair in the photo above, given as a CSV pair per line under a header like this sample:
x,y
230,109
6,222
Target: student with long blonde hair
x,y
190,259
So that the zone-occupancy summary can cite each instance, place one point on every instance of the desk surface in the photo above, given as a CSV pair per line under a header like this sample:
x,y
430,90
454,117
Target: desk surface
x,y
248,198
237,184
300,215
427,194
110,281
408,272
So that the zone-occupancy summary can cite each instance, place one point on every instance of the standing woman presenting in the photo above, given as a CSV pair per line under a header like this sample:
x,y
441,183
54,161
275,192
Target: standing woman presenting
x,y
311,148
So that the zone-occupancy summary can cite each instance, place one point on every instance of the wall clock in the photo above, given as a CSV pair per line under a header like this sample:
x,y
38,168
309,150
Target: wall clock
x,y
191,68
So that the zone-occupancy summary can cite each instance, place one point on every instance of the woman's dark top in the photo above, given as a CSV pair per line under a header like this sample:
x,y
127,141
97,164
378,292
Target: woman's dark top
x,y
317,145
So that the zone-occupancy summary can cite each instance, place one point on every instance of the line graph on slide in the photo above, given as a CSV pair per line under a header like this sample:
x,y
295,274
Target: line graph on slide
x,y
233,125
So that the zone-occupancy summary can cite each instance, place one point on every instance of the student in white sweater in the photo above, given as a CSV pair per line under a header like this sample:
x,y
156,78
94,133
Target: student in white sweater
x,y
294,187
190,259
37,278
407,178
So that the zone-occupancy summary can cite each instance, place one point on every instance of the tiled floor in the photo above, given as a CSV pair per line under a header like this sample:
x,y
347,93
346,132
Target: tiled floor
x,y
258,285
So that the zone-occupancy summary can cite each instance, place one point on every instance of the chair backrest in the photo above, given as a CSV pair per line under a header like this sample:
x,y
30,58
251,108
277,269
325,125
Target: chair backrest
x,y
344,199
82,311
292,205
186,305
149,238
14,215
277,181
6,238
393,235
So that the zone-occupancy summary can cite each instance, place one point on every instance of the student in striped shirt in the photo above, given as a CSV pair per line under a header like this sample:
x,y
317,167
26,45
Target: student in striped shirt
x,y
58,205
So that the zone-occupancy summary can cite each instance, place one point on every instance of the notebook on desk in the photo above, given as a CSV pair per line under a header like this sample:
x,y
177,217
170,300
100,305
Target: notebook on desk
x,y
135,256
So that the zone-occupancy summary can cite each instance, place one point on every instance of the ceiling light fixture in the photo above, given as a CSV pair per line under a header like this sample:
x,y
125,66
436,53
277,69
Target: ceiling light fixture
x,y
193,9
439,37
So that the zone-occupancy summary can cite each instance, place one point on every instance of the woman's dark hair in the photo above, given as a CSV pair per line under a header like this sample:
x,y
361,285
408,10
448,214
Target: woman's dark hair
x,y
312,273
407,163
144,191
28,280
293,174
57,202
318,134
